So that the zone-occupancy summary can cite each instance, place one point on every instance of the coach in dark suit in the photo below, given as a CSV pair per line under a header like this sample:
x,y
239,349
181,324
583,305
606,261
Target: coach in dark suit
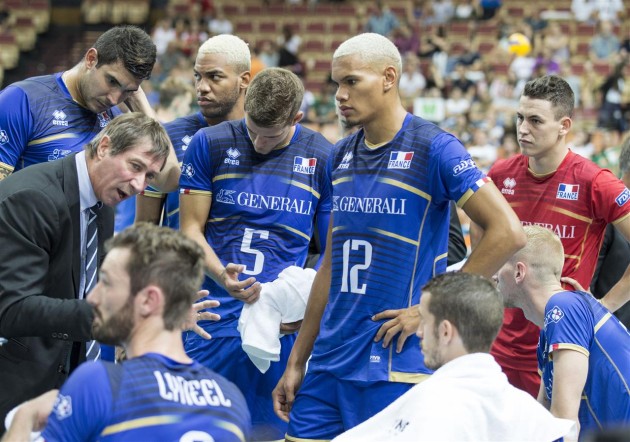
x,y
42,241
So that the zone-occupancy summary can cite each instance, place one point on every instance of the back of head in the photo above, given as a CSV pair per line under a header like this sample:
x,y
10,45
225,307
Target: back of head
x,y
471,303
166,258
130,46
554,89
127,130
376,50
543,253
235,50
274,97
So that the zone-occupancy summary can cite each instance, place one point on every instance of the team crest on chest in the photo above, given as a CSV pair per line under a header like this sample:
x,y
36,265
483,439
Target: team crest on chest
x,y
304,165
568,191
400,160
103,119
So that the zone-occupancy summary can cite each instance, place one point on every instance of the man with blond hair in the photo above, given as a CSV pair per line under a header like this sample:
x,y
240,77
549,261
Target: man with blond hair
x,y
393,181
583,350
222,74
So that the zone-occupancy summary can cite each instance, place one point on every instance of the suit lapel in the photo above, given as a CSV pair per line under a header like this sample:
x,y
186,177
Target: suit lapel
x,y
70,183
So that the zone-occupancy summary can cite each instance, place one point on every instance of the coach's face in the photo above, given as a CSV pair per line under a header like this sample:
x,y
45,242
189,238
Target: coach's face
x,y
117,177
112,301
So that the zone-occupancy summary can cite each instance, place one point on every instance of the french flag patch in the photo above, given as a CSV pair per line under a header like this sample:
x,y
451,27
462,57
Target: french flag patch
x,y
568,191
400,160
304,165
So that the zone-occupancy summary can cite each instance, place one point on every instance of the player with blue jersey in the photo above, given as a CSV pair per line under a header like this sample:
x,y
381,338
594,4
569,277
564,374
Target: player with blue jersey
x,y
250,190
392,183
221,77
583,351
142,301
48,117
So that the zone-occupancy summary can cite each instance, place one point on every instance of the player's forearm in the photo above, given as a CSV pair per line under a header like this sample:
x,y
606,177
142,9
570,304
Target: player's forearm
x,y
497,245
149,209
312,318
619,294
214,267
21,427
168,178
138,102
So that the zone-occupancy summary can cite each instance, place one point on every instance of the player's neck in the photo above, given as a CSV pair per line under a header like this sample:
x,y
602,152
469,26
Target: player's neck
x,y
384,128
71,79
164,342
237,113
547,163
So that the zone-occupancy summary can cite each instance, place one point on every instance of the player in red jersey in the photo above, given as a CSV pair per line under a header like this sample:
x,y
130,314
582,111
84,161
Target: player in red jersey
x,y
551,186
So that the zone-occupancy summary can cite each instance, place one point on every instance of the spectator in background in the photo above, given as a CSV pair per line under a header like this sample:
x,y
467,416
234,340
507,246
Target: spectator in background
x,y
162,35
442,11
590,82
381,20
289,46
192,38
220,24
604,43
412,82
323,110
406,38
594,10
610,114
269,54
489,8
465,10
176,98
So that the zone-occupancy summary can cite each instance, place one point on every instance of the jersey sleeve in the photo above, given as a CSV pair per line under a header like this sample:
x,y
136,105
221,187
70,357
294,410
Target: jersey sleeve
x,y
152,192
457,174
611,198
16,123
83,406
196,168
568,323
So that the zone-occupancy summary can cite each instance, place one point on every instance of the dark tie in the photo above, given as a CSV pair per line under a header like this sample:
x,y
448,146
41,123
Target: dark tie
x,y
91,261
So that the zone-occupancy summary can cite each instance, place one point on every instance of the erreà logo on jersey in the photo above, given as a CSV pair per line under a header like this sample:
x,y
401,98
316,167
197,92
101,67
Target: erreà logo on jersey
x,y
232,154
186,141
304,165
400,160
59,118
568,191
345,161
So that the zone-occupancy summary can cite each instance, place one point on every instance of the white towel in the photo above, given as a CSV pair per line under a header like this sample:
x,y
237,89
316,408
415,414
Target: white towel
x,y
281,301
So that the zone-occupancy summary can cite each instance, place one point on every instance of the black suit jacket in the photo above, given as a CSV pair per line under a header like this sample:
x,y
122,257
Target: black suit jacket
x,y
40,259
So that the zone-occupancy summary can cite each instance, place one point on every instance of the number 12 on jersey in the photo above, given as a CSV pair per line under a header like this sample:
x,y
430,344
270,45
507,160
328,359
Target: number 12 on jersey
x,y
350,277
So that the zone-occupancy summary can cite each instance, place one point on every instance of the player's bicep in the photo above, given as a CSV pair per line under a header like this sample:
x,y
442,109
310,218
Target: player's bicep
x,y
194,209
570,369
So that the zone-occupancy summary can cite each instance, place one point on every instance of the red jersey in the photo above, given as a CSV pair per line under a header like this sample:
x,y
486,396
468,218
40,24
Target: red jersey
x,y
576,201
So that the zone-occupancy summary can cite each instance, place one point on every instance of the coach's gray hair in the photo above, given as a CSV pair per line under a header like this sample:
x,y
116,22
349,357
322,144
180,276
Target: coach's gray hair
x,y
373,48
236,51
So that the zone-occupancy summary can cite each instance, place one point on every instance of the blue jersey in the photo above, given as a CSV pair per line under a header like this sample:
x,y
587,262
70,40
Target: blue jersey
x,y
390,236
262,207
39,122
181,132
149,398
577,321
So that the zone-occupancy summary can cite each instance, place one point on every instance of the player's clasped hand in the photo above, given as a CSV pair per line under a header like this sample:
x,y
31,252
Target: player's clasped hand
x,y
247,290
404,321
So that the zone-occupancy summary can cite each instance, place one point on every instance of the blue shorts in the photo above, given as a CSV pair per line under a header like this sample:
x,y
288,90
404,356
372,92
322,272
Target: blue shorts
x,y
225,356
326,406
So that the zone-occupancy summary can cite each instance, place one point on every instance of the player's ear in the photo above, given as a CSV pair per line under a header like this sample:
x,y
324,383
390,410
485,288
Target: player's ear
x,y
565,126
390,78
91,58
246,78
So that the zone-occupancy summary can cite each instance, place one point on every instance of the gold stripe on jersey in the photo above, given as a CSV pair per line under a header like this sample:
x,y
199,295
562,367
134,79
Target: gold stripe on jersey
x,y
612,362
5,166
413,242
602,321
140,423
172,212
407,187
305,187
52,138
565,346
438,259
591,411
195,192
153,193
218,220
299,439
617,221
296,231
227,176
570,214
402,376
341,180
464,199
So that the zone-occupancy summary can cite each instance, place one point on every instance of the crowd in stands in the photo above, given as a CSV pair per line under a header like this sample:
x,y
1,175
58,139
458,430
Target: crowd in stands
x,y
458,69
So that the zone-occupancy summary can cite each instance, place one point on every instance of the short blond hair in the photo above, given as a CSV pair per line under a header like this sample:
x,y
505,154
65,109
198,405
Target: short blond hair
x,y
373,48
235,50
543,252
